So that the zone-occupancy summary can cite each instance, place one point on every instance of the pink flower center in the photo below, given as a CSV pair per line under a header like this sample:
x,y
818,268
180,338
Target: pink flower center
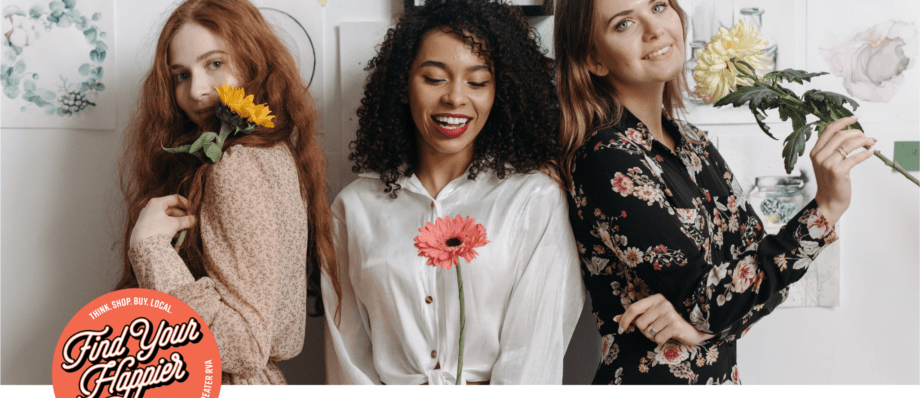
x,y
453,242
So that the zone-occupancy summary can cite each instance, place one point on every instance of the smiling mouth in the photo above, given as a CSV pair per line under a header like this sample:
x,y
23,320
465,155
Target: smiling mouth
x,y
450,125
658,53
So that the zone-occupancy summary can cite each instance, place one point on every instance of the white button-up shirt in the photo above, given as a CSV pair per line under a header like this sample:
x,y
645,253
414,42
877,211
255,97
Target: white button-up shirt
x,y
400,317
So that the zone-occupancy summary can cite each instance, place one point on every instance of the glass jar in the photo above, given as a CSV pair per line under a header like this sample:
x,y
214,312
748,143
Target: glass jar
x,y
695,47
776,199
754,17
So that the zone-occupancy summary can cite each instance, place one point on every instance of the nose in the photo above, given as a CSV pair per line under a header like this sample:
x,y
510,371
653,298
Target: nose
x,y
201,87
653,29
455,94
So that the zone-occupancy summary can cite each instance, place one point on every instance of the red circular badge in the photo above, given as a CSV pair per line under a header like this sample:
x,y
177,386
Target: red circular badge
x,y
136,343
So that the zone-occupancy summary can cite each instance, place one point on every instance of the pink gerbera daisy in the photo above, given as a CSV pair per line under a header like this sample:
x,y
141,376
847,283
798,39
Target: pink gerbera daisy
x,y
446,240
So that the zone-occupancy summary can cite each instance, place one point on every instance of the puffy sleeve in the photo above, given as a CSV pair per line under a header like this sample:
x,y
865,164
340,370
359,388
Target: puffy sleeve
x,y
634,243
547,298
349,357
254,230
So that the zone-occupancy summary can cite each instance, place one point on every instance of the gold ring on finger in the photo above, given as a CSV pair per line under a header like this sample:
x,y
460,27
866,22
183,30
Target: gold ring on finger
x,y
842,151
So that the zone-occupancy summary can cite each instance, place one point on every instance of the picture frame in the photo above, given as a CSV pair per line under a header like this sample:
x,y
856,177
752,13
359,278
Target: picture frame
x,y
530,8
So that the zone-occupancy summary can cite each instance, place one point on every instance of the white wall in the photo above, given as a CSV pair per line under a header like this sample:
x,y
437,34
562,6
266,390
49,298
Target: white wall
x,y
62,213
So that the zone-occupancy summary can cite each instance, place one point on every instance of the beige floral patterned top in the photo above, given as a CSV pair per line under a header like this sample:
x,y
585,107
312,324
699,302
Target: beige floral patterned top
x,y
254,229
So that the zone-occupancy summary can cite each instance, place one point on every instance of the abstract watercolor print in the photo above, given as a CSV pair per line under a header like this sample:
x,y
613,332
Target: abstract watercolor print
x,y
872,62
56,63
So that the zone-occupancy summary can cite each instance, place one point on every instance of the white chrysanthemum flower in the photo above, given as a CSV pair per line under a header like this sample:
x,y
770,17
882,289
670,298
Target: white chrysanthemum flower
x,y
715,74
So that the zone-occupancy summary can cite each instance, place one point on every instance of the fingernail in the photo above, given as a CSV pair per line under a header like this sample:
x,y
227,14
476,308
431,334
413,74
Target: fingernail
x,y
617,318
874,140
620,330
854,117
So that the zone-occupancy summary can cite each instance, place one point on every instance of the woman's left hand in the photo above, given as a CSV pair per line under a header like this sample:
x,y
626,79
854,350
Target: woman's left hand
x,y
657,319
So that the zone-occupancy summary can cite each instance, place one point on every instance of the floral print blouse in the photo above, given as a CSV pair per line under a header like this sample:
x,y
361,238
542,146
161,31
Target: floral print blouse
x,y
648,220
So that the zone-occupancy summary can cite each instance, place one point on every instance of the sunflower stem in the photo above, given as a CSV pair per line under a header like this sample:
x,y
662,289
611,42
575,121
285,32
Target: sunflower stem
x,y
462,324
180,240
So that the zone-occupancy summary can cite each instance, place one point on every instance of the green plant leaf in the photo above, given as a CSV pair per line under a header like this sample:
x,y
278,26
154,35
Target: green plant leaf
x,y
760,116
85,69
794,146
759,96
212,150
828,98
203,139
28,85
184,149
748,71
792,76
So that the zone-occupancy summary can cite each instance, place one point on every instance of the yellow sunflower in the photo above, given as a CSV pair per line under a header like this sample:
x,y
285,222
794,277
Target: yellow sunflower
x,y
715,74
242,104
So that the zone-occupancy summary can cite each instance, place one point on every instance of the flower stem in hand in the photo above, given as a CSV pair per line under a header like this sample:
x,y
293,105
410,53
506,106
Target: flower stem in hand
x,y
462,324
180,240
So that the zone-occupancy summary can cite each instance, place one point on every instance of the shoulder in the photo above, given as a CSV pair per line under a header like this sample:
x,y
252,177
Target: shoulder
x,y
534,187
363,192
242,162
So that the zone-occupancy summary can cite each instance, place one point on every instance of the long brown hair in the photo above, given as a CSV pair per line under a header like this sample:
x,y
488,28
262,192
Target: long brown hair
x,y
587,101
260,60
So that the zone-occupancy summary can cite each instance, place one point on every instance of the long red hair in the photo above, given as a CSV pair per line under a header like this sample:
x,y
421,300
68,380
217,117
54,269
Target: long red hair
x,y
260,60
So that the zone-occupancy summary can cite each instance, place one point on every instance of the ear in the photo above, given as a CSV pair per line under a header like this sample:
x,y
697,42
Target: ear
x,y
595,67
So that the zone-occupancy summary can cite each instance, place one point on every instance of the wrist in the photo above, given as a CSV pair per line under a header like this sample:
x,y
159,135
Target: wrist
x,y
831,211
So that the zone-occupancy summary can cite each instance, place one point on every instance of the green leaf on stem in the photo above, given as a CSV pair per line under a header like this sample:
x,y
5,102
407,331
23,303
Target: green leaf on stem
x,y
184,148
759,96
212,150
202,140
794,146
791,76
826,99
751,73
760,116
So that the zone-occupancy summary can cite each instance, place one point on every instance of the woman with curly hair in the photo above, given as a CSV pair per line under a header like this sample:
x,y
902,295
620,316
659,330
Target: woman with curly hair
x,y
458,118
256,218
667,236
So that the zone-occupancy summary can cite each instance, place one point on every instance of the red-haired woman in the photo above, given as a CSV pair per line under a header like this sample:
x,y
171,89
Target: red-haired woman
x,y
661,220
256,218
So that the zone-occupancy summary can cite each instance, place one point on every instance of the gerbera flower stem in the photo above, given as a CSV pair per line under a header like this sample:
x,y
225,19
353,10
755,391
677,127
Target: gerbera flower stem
x,y
462,324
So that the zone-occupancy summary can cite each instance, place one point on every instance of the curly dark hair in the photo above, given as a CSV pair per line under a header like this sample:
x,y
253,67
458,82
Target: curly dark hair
x,y
522,127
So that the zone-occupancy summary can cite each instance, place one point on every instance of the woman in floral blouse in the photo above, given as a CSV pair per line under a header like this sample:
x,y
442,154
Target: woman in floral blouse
x,y
661,221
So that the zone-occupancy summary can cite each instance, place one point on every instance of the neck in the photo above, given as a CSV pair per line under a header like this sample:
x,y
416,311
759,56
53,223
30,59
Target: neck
x,y
646,105
436,170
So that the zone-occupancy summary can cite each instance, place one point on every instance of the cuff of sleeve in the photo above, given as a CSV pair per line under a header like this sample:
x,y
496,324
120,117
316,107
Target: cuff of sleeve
x,y
816,224
157,265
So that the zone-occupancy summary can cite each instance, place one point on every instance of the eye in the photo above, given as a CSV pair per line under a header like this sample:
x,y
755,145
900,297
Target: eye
x,y
623,25
478,84
659,7
178,77
430,80
215,64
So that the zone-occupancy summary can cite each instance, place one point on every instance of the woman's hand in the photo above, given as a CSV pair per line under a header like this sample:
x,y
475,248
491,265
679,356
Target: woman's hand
x,y
832,166
162,216
657,319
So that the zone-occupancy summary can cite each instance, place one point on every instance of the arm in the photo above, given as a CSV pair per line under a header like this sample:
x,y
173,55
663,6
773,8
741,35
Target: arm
x,y
349,356
242,235
646,239
547,298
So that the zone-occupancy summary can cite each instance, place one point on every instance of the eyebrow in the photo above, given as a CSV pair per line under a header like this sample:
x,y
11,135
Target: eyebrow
x,y
441,65
200,58
625,12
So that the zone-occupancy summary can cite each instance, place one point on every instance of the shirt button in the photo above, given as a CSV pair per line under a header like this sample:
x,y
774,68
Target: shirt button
x,y
434,354
432,205
428,299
